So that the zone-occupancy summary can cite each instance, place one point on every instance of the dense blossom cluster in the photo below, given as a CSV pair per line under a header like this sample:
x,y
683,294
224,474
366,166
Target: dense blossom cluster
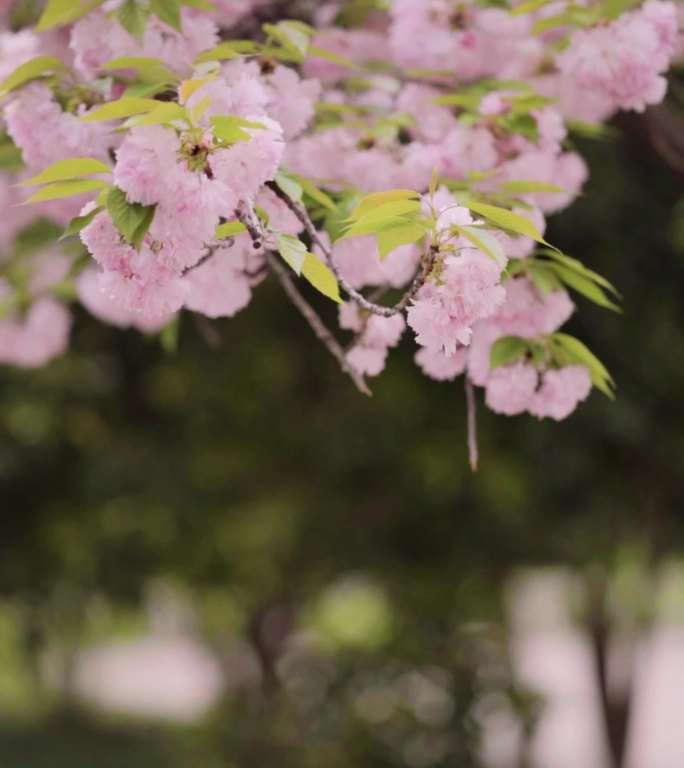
x,y
402,161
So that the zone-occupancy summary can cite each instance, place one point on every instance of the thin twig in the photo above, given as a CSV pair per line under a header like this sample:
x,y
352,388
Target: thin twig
x,y
252,224
211,250
257,233
377,309
472,424
207,331
315,322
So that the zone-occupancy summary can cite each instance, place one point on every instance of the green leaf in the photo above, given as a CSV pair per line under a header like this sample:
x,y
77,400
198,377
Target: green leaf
x,y
528,7
202,5
149,69
403,235
166,112
577,266
68,169
551,22
290,35
571,351
322,53
584,285
507,350
521,187
377,199
167,11
30,70
80,222
133,15
483,241
387,211
505,219
125,107
188,87
544,278
469,101
289,186
316,194
65,189
11,304
229,229
589,130
293,251
143,90
131,219
59,12
230,49
169,335
230,129
320,276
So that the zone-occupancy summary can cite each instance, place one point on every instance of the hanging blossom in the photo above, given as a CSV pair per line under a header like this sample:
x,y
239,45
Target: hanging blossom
x,y
195,154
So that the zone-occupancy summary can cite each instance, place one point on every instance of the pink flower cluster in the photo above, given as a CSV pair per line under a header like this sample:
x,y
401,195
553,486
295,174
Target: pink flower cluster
x,y
37,331
374,336
623,62
466,90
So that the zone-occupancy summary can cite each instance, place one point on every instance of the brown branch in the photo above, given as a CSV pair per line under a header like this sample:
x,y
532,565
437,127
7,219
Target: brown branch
x,y
211,250
257,233
377,309
473,454
315,322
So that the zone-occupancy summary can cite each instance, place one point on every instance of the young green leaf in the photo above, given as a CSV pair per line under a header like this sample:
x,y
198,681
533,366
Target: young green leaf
x,y
126,107
169,336
201,5
225,51
290,35
322,53
64,170
149,69
505,219
507,350
231,130
524,187
80,222
59,12
316,194
131,219
571,351
166,112
229,229
293,251
289,186
320,276
584,285
577,266
483,241
544,277
167,11
133,15
30,70
403,235
381,198
65,189
387,211
528,7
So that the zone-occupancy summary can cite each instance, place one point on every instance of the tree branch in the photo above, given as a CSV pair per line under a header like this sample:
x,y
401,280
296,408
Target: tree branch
x,y
256,231
315,322
473,454
377,309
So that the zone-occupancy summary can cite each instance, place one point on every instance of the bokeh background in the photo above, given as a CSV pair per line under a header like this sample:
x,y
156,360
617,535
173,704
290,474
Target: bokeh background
x,y
224,557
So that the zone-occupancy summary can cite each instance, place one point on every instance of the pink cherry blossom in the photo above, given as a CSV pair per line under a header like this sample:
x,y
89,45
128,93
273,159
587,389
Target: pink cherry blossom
x,y
510,388
560,392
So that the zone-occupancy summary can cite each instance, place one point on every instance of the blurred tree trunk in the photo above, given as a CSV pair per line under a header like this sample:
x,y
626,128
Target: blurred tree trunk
x,y
616,704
